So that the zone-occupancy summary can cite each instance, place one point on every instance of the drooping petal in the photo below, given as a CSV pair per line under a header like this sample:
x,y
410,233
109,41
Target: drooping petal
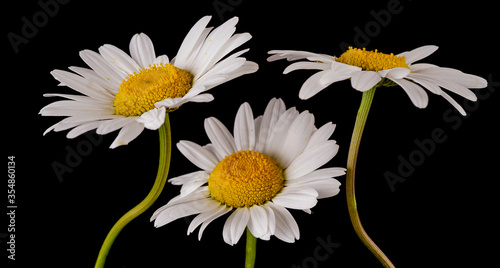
x,y
286,227
127,134
235,225
365,80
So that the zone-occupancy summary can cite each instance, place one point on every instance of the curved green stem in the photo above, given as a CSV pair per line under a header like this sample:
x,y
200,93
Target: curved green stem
x,y
363,111
161,178
251,250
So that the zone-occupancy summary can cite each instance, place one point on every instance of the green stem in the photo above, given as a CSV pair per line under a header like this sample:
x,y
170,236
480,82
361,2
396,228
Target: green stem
x,y
363,111
251,250
161,178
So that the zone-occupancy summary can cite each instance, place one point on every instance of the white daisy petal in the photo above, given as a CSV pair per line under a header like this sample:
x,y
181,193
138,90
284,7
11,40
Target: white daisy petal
x,y
258,223
416,93
127,134
142,50
286,226
296,198
189,42
244,128
274,109
312,85
153,119
220,136
222,210
119,59
311,159
235,225
198,155
364,81
418,53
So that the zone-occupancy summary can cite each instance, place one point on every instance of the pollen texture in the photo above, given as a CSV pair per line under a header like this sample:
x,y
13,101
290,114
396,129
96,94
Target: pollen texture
x,y
139,92
245,178
371,60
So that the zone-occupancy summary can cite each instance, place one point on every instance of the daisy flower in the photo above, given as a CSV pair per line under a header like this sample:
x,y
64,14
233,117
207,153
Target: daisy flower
x,y
268,166
366,69
133,92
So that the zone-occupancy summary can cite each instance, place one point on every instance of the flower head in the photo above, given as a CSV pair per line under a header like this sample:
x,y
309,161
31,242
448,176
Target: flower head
x,y
270,164
366,69
133,92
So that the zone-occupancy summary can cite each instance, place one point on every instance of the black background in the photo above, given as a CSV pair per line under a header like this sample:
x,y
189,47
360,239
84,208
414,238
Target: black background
x,y
442,215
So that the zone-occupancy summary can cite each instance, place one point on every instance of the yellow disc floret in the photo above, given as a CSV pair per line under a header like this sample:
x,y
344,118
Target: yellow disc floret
x,y
139,92
371,60
245,178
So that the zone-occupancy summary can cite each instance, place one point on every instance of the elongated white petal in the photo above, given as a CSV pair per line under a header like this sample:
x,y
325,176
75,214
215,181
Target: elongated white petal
x,y
296,198
235,225
286,227
127,134
365,80
418,53
313,85
311,159
119,59
198,155
273,111
142,50
222,211
416,93
258,222
244,128
190,41
220,136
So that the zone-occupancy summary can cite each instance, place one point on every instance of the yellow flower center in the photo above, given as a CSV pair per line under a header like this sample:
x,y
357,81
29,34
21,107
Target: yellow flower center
x,y
371,60
245,178
139,92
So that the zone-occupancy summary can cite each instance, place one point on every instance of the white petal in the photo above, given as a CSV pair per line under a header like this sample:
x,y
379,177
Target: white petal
x,y
190,41
81,85
395,73
296,138
206,217
321,135
454,103
102,67
313,85
296,198
273,111
153,119
365,80
258,223
119,59
311,159
324,188
111,125
220,136
198,155
142,50
418,53
415,92
286,226
235,225
307,65
127,134
244,128
223,210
